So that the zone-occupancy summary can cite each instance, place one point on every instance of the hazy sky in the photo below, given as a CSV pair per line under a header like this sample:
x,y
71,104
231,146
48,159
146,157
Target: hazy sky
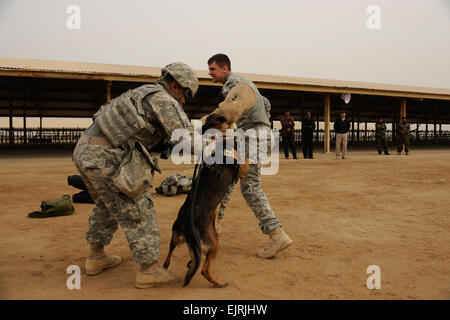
x,y
309,38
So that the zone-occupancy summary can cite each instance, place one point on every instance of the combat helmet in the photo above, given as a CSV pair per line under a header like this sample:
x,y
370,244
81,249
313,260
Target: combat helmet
x,y
184,75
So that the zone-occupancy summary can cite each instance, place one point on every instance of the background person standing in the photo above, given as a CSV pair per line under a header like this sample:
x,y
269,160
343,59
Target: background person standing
x,y
403,136
380,135
288,135
341,128
308,126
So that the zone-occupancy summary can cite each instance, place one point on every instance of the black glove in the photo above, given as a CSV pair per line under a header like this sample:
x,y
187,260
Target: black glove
x,y
166,149
77,182
212,121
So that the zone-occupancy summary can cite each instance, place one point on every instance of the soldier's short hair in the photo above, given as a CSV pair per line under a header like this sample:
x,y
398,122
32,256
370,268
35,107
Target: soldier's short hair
x,y
221,60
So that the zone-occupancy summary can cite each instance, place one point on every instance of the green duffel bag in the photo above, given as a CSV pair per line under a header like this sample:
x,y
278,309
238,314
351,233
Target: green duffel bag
x,y
60,207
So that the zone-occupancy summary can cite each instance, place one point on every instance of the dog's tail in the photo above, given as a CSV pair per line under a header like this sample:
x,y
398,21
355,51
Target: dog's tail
x,y
192,237
195,250
193,241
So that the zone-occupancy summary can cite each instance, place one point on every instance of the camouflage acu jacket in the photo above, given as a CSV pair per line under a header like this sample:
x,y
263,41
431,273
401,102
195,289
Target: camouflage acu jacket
x,y
404,129
380,130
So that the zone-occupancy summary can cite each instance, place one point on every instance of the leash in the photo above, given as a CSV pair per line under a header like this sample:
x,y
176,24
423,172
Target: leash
x,y
195,180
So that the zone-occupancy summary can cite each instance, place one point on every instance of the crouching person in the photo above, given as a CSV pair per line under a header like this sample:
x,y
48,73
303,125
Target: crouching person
x,y
113,159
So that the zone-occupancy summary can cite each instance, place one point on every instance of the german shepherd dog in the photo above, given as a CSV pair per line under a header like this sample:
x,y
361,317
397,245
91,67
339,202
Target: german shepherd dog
x,y
195,223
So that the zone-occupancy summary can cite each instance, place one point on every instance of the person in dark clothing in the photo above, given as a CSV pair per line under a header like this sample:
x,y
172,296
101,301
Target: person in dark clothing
x,y
308,126
404,129
288,135
380,135
341,128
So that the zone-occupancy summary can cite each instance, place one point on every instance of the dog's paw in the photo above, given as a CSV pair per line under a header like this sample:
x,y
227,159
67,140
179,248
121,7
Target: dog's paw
x,y
221,285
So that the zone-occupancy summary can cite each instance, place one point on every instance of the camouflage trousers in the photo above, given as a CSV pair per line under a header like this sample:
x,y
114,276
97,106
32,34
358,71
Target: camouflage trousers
x,y
402,141
382,144
256,199
97,166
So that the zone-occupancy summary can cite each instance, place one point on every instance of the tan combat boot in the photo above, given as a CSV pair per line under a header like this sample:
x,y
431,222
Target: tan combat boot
x,y
279,240
98,260
150,275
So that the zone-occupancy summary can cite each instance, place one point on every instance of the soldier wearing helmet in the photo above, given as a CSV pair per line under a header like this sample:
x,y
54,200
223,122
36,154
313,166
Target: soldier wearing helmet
x,y
114,159
184,76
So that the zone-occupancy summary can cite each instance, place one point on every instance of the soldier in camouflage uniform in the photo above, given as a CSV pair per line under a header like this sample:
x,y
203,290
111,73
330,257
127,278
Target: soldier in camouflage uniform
x,y
267,106
380,135
255,118
113,159
403,136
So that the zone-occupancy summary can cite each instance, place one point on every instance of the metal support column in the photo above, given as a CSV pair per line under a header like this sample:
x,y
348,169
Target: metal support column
x,y
402,108
317,122
358,120
25,114
108,91
11,124
435,123
326,122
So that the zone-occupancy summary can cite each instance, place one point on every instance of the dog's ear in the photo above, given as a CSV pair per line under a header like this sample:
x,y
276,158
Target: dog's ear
x,y
213,121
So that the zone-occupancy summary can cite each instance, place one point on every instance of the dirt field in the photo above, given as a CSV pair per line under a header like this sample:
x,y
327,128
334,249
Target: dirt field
x,y
343,215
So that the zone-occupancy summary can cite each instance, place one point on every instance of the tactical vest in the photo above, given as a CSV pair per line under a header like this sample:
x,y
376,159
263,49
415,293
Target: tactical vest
x,y
127,119
257,114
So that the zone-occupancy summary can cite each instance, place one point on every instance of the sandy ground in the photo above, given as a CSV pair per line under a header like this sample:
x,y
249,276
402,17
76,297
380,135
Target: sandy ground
x,y
343,215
